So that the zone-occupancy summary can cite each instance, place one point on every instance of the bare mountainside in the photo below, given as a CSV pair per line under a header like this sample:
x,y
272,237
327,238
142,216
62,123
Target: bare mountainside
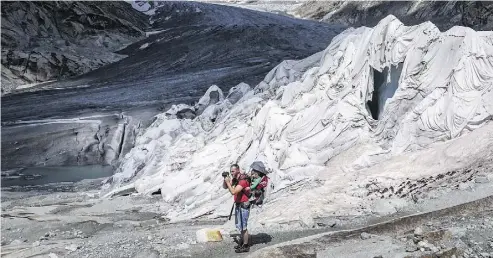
x,y
444,14
45,40
191,47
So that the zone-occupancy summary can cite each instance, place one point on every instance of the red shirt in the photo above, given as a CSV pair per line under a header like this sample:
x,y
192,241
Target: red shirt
x,y
243,195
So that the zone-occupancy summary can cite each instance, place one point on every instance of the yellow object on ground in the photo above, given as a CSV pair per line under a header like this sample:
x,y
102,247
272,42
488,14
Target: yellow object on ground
x,y
208,235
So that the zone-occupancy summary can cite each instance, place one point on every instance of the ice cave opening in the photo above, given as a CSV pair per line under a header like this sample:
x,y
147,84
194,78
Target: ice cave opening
x,y
385,84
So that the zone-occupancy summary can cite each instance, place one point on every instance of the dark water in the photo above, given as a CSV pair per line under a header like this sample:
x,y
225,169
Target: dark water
x,y
37,176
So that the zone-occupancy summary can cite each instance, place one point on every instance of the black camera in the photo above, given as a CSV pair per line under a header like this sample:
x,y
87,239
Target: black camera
x,y
225,174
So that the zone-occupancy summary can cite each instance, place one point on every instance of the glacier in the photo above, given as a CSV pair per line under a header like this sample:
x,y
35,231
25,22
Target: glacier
x,y
377,104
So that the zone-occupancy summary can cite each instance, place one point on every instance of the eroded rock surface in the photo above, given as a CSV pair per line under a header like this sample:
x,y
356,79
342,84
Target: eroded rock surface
x,y
43,41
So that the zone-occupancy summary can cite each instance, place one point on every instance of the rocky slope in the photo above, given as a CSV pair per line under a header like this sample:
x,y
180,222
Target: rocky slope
x,y
43,41
444,14
464,230
380,113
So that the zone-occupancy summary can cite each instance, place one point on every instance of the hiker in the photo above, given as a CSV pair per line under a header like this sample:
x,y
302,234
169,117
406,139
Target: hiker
x,y
237,186
259,181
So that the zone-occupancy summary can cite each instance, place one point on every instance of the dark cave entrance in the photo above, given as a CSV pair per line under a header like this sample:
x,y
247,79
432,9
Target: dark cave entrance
x,y
383,89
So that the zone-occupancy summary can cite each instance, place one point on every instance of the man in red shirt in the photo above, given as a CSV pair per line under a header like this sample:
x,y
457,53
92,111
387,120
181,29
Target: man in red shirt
x,y
238,187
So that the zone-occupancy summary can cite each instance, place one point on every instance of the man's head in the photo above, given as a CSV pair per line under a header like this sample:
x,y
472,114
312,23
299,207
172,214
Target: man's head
x,y
234,170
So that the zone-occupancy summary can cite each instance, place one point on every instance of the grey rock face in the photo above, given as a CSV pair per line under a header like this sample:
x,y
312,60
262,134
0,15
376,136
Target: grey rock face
x,y
444,15
44,41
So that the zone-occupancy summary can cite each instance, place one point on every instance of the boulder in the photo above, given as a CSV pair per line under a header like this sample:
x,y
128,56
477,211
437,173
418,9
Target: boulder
x,y
365,236
481,179
72,247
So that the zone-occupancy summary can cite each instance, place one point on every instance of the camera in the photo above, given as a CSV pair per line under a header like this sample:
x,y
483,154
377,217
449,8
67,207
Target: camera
x,y
225,174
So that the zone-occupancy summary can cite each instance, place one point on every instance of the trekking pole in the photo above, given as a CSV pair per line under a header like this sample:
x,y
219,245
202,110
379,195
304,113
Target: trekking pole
x,y
231,213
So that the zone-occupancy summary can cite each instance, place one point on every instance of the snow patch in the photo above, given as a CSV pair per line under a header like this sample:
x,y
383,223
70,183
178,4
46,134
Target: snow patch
x,y
146,45
149,33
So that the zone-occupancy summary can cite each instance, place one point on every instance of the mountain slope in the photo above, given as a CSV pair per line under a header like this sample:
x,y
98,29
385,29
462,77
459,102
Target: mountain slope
x,y
44,41
444,14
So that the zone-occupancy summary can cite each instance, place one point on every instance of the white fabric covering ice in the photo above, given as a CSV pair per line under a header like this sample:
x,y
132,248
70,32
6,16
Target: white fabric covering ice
x,y
310,116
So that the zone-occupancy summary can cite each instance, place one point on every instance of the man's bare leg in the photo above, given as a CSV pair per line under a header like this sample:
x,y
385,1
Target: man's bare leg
x,y
245,238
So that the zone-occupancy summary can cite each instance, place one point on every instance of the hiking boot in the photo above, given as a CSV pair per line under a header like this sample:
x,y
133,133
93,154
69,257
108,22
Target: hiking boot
x,y
243,249
239,244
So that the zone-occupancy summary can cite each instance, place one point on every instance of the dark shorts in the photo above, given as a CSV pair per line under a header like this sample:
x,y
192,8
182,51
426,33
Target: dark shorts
x,y
241,217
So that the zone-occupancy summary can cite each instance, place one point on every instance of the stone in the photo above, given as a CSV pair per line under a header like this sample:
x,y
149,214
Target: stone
x,y
451,252
481,179
434,249
437,236
418,231
464,186
72,247
330,223
365,236
52,255
36,243
427,246
208,235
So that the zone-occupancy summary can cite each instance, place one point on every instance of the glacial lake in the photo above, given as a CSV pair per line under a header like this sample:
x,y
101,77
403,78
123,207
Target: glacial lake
x,y
36,176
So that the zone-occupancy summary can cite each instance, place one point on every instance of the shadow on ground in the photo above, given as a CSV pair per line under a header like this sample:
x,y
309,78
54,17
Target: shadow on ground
x,y
261,238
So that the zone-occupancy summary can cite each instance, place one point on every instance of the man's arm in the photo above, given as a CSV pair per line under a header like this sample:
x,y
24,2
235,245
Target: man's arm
x,y
233,190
